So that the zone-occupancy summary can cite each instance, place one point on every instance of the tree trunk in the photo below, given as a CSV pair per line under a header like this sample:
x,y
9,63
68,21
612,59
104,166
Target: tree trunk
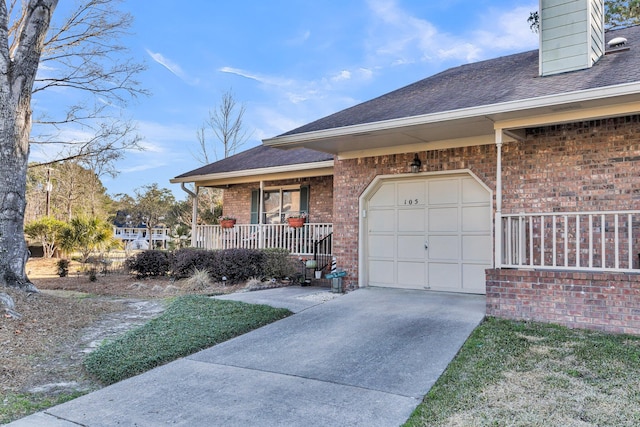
x,y
14,150
18,68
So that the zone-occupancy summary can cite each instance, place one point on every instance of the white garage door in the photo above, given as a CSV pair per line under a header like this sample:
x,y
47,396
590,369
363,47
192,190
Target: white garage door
x,y
429,233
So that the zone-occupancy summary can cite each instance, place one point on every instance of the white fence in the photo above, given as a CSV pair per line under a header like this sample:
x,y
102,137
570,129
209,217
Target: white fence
x,y
299,241
593,241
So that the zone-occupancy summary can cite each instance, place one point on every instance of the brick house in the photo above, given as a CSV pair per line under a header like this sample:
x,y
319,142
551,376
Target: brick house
x,y
516,177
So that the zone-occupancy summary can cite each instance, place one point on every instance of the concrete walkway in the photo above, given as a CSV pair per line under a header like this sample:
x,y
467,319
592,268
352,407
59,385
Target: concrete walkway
x,y
363,359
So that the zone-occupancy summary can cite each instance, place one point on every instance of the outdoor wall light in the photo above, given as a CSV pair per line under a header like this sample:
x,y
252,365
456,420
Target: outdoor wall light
x,y
415,165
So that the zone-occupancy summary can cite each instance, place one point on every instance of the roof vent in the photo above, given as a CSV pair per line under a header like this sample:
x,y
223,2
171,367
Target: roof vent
x,y
616,42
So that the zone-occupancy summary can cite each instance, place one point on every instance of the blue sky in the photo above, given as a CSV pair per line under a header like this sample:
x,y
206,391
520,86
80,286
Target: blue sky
x,y
291,62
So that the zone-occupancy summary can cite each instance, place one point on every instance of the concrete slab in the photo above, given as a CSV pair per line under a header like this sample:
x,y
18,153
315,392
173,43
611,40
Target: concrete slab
x,y
366,358
294,298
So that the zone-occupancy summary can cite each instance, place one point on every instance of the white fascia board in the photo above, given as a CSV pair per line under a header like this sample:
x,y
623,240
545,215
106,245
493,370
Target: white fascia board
x,y
252,172
464,113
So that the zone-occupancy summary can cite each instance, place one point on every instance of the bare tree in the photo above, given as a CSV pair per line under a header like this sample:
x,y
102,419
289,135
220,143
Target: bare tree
x,y
226,124
80,54
617,14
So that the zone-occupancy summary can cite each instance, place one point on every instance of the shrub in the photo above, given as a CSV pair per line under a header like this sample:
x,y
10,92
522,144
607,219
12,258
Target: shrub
x,y
238,265
199,280
63,267
148,263
186,261
278,264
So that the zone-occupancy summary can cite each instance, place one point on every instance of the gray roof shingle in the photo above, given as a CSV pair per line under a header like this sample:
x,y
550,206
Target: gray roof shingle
x,y
509,78
260,157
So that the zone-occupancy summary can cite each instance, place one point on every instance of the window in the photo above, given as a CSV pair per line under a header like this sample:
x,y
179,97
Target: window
x,y
278,203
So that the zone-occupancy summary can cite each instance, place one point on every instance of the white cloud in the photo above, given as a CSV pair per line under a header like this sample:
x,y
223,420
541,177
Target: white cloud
x,y
174,68
342,75
299,39
403,39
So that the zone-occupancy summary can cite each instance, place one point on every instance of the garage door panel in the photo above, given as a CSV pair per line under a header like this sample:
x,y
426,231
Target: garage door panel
x,y
382,220
385,196
411,274
476,218
443,219
474,248
382,246
444,248
443,191
411,193
382,273
411,247
451,214
473,191
473,277
411,220
444,275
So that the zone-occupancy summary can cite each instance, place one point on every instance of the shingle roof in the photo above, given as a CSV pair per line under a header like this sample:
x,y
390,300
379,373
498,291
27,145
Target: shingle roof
x,y
509,78
260,157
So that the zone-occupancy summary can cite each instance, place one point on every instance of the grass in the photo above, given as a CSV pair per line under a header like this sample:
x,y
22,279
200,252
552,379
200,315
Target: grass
x,y
18,405
531,374
190,323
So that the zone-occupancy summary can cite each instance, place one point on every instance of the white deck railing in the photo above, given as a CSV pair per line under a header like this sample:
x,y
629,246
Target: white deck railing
x,y
135,233
592,241
298,241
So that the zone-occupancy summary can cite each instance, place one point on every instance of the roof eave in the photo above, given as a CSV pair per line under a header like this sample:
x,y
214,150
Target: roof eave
x,y
246,173
556,100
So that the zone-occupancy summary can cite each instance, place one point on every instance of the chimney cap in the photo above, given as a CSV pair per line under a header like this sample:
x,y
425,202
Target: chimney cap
x,y
617,42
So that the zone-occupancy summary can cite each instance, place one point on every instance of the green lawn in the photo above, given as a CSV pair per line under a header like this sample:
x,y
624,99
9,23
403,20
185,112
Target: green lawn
x,y
190,323
533,374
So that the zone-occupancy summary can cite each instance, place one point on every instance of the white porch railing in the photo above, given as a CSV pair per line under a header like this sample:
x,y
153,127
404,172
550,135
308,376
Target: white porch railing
x,y
591,241
298,241
134,233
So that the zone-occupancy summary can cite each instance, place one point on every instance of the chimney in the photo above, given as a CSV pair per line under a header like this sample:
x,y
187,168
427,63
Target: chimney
x,y
571,35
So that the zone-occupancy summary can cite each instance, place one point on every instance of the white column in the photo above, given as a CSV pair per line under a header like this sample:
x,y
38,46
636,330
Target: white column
x,y
261,216
498,218
194,218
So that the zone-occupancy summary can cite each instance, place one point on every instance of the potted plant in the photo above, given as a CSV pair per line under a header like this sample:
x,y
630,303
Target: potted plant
x,y
297,220
227,221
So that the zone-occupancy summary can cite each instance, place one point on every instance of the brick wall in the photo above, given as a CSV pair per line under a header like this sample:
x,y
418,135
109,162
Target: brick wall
x,y
601,301
237,198
587,166
352,176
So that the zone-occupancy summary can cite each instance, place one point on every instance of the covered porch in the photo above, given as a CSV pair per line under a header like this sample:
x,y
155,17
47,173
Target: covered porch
x,y
309,240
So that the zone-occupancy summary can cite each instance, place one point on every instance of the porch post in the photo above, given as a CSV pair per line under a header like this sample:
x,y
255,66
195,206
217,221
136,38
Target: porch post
x,y
498,219
261,217
194,218
194,211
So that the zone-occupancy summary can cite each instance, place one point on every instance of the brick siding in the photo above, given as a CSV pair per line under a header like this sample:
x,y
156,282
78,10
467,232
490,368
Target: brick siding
x,y
601,301
236,199
585,166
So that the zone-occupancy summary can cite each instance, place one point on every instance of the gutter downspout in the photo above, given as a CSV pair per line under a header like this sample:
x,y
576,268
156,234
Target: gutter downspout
x,y
194,212
498,219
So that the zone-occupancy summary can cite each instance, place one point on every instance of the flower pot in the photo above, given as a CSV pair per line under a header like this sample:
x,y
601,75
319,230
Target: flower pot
x,y
318,274
296,222
227,223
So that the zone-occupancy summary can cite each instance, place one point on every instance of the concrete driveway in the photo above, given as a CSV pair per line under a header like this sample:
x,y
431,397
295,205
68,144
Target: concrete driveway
x,y
363,359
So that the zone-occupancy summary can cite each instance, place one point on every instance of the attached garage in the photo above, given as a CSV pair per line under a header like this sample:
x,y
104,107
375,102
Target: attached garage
x,y
427,232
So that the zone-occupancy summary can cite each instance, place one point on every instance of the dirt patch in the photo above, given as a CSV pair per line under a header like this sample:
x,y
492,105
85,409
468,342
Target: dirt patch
x,y
42,351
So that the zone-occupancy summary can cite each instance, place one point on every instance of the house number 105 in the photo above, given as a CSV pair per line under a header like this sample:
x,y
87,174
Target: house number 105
x,y
411,202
